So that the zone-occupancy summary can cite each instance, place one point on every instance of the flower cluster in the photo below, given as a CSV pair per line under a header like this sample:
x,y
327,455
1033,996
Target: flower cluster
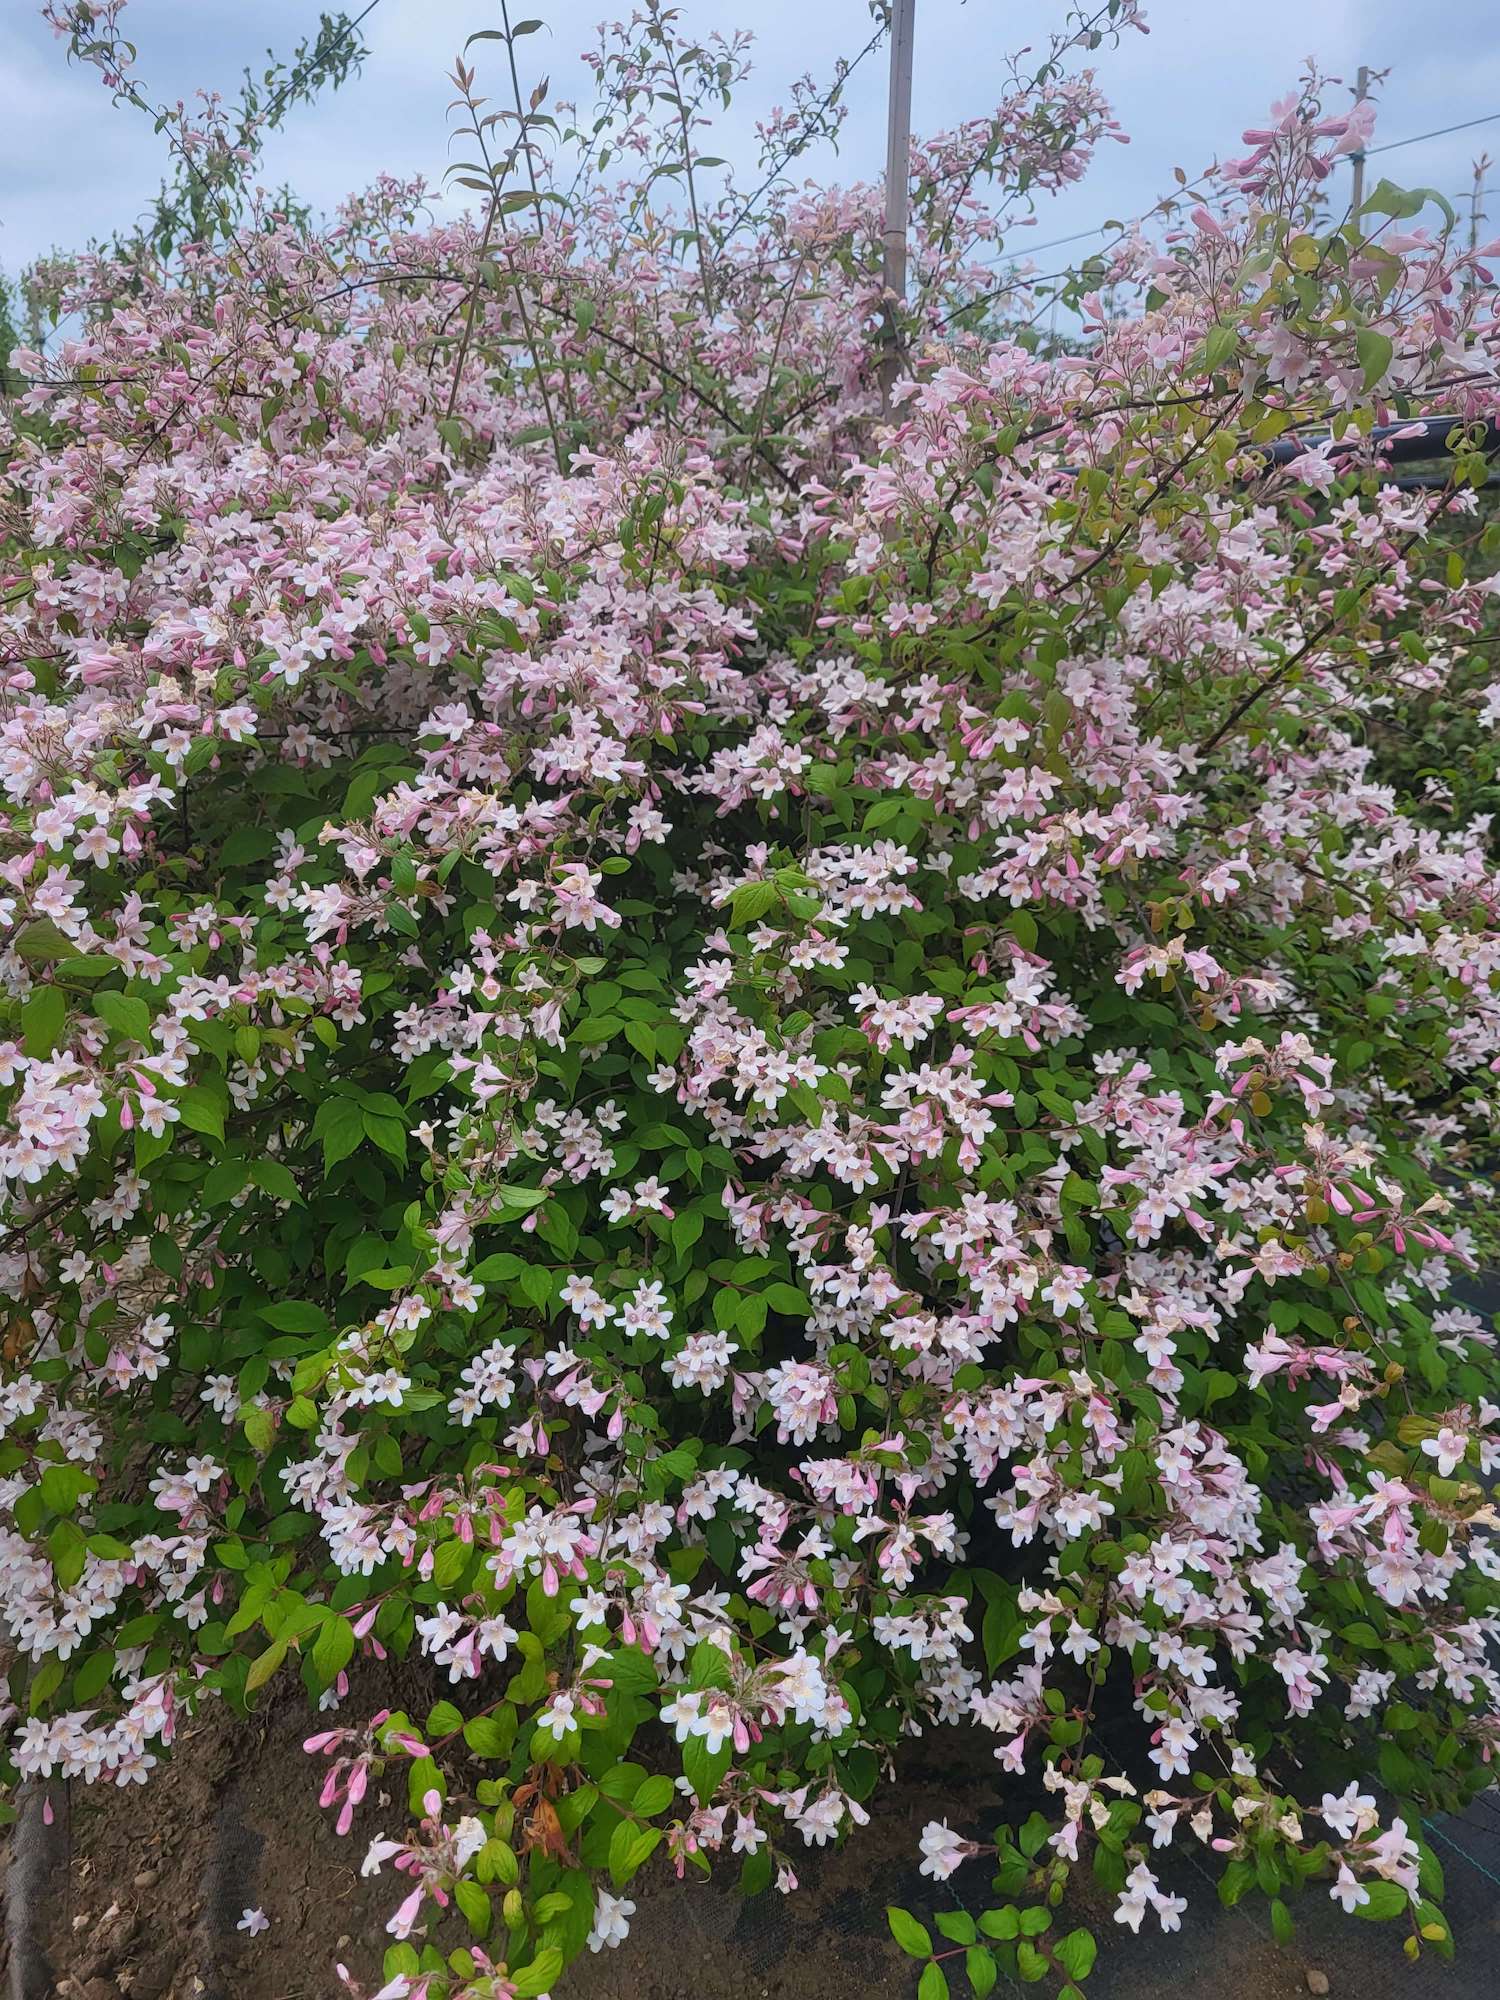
x,y
756,1059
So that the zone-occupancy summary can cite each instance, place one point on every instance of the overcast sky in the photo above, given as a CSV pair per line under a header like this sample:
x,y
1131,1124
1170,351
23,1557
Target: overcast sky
x,y
72,165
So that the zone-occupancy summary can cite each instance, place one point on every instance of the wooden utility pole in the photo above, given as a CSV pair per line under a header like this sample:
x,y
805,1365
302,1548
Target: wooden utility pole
x,y
897,175
898,146
1361,92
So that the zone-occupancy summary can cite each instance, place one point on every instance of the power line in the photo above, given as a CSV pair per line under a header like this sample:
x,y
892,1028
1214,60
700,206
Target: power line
x,y
1442,132
1084,235
1391,146
1080,236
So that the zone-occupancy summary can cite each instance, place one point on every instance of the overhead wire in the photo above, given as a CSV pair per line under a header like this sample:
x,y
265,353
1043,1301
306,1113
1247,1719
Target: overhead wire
x,y
1442,132
1099,229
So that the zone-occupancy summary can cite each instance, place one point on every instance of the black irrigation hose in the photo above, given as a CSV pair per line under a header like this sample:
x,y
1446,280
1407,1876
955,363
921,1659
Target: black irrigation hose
x,y
1422,482
1401,449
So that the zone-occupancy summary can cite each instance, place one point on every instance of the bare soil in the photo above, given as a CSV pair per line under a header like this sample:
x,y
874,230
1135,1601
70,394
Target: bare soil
x,y
151,1883
159,1878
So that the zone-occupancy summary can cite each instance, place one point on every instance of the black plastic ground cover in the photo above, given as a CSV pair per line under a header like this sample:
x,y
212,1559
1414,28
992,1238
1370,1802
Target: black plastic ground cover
x,y
829,1941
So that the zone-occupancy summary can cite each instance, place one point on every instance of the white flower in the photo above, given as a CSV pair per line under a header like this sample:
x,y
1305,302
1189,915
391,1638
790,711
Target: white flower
x,y
1079,1643
1170,1909
557,1716
254,1921
942,1850
612,1916
1448,1448
1351,1813
1347,1891
1140,1889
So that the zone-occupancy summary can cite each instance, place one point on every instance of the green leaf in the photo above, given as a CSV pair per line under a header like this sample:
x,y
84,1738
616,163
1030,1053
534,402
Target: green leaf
x,y
642,1038
110,1547
130,1019
497,1269
1030,1963
957,1925
787,1300
474,1903
333,1649
202,1111
42,939
980,1965
1387,1900
655,1794
933,1985
422,1777
1221,345
710,1665
521,1200
1375,351
44,1684
385,1277
265,1664
884,811
621,1782
272,1178
260,1429
647,1840
295,1316
223,1182
750,902
1000,1633
66,1547
686,1229
703,1768
536,1977
630,1847
389,1134
340,1125
63,1486
912,1937
449,1564
43,1014
93,1676
247,843
1076,1953
487,1735
596,1028
1388,199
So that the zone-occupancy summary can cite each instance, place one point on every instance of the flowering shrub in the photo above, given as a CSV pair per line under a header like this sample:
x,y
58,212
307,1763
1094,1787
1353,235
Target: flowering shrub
x,y
753,1070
